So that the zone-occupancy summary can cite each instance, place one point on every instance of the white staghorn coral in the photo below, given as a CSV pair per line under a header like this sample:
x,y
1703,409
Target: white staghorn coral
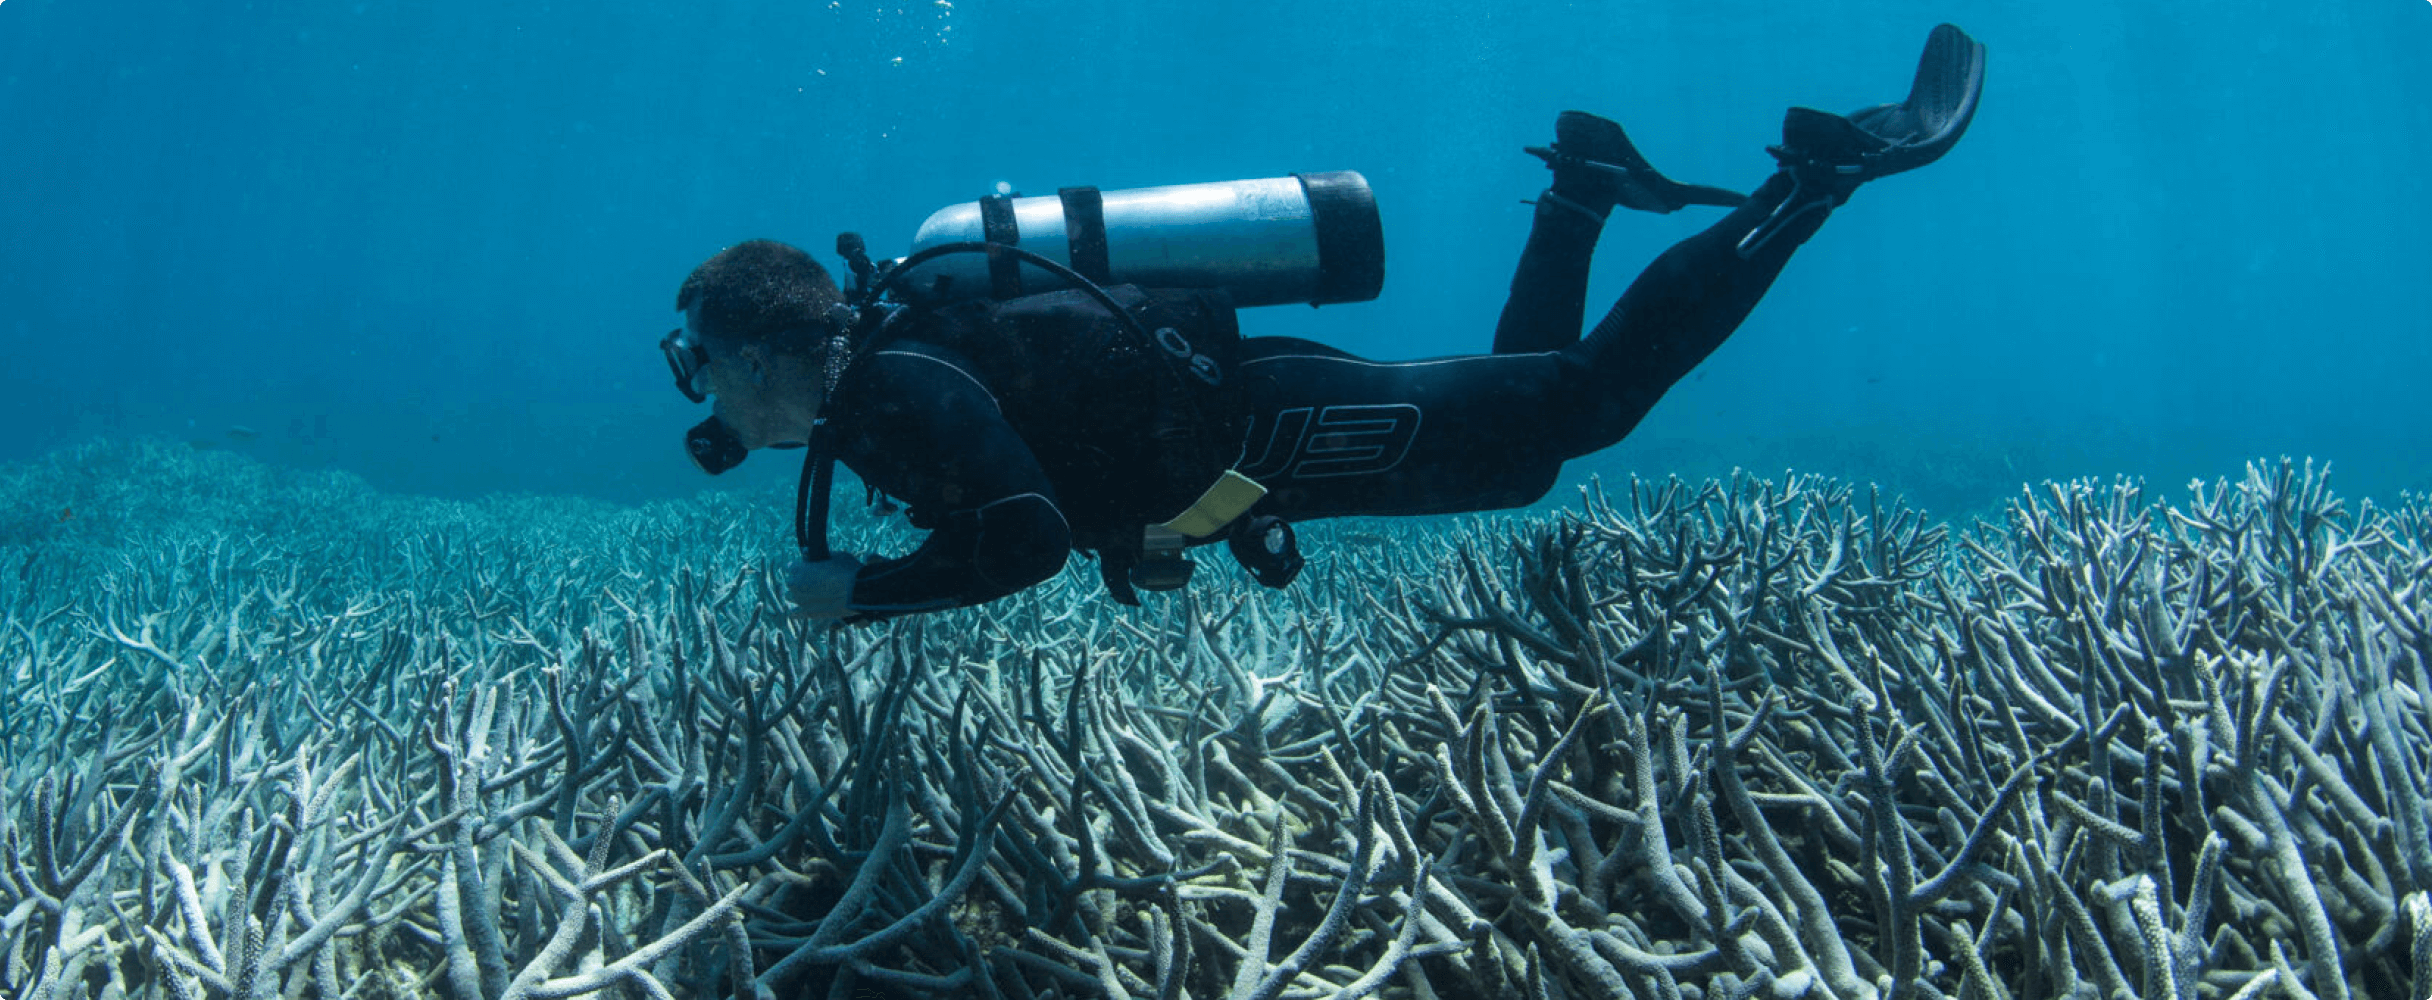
x,y
1728,739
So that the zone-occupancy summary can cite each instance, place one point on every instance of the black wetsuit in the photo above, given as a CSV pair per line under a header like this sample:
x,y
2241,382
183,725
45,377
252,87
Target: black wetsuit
x,y
1013,454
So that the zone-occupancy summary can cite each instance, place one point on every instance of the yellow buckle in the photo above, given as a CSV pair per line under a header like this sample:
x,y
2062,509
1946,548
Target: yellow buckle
x,y
1232,495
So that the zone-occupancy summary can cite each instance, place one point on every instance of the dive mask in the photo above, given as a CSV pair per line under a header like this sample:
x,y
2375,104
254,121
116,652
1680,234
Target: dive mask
x,y
685,358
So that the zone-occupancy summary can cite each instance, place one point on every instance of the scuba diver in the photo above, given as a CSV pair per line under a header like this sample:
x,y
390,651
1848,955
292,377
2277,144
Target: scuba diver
x,y
1121,412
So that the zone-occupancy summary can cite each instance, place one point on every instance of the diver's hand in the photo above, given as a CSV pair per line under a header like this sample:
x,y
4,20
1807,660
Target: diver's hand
x,y
821,590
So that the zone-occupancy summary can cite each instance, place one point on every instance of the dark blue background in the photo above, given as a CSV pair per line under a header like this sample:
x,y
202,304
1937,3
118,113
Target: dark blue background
x,y
435,243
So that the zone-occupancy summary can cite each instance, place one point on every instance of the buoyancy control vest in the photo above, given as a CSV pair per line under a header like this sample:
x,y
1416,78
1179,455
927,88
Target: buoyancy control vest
x,y
1140,434
1132,432
1310,238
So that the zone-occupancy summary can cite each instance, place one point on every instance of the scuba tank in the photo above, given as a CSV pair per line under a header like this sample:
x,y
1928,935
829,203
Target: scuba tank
x,y
1311,238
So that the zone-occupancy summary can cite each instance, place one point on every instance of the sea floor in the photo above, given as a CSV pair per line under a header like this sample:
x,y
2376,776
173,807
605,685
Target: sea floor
x,y
271,733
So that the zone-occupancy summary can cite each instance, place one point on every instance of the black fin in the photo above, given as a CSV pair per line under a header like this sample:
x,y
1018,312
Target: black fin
x,y
1890,138
1594,152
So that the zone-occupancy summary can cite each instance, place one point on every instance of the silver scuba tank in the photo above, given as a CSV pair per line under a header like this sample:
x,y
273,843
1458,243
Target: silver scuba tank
x,y
1311,238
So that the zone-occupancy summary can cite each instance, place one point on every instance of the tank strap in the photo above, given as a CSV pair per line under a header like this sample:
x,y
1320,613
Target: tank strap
x,y
1085,233
997,226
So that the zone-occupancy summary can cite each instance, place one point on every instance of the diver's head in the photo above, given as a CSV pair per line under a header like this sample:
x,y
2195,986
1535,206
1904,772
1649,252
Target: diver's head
x,y
754,337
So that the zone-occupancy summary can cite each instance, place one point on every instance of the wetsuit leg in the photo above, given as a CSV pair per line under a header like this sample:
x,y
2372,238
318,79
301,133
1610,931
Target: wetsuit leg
x,y
1675,314
1332,434
1549,296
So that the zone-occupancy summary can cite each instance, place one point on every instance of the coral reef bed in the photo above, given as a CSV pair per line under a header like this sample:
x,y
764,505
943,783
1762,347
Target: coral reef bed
x,y
1743,738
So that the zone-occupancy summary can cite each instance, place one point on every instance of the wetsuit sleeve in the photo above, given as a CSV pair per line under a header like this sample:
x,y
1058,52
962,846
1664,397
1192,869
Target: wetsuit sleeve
x,y
934,438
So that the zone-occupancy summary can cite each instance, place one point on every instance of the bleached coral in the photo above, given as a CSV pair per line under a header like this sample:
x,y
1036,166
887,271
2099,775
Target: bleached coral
x,y
1728,739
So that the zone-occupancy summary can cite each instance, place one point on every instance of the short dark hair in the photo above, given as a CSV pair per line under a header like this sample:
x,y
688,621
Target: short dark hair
x,y
761,292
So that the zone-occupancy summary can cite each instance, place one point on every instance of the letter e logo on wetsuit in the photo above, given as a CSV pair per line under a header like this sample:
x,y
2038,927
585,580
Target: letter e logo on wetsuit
x,y
1348,440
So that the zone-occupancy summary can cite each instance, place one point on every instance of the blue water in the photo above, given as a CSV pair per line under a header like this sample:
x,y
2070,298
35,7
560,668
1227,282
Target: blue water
x,y
435,243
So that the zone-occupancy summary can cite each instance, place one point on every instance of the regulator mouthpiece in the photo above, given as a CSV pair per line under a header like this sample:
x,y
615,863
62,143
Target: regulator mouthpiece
x,y
714,446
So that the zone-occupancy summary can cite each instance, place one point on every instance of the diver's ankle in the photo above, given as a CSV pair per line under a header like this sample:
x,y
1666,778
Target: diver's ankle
x,y
1800,199
1594,213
